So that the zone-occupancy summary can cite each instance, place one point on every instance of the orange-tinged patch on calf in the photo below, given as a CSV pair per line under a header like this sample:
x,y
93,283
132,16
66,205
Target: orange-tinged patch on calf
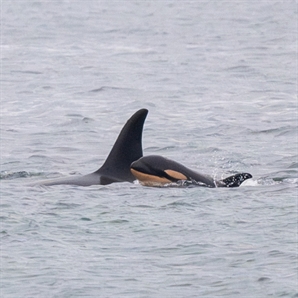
x,y
176,175
149,180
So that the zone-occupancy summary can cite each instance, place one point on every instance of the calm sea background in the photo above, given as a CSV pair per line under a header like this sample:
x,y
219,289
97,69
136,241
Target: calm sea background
x,y
220,81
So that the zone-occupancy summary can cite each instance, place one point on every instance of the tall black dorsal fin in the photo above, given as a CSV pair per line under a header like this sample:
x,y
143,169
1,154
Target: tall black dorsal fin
x,y
127,148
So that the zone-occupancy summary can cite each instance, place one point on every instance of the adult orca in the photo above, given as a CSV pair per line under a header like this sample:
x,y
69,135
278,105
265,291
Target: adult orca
x,y
116,168
154,170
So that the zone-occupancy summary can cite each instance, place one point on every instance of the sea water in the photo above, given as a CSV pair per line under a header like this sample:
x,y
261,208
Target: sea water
x,y
220,82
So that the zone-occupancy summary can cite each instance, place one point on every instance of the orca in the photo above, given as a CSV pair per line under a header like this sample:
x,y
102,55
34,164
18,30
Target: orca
x,y
116,168
155,170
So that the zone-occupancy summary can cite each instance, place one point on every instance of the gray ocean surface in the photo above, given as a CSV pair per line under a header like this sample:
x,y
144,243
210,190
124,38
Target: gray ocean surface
x,y
219,79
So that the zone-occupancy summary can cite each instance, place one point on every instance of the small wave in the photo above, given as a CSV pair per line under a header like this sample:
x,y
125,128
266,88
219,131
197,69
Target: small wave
x,y
291,180
106,88
17,175
294,165
277,132
34,72
279,179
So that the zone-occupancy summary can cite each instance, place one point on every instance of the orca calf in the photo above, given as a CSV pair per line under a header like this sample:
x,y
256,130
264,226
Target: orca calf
x,y
156,170
116,168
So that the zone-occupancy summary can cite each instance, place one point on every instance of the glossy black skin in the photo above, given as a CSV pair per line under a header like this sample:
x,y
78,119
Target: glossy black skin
x,y
156,165
127,148
116,168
